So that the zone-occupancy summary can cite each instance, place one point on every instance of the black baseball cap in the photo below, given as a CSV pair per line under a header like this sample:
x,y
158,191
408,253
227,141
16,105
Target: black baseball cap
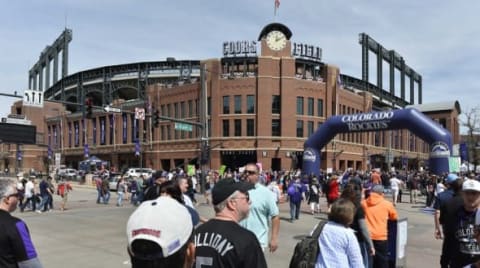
x,y
226,187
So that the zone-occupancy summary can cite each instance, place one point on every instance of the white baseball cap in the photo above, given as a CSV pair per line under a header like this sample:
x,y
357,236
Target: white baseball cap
x,y
471,185
163,221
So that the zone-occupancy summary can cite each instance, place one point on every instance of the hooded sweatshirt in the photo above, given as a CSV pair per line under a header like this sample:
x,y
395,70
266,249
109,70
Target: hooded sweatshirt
x,y
377,213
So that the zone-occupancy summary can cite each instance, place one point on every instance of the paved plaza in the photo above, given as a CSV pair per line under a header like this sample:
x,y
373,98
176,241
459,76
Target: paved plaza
x,y
91,235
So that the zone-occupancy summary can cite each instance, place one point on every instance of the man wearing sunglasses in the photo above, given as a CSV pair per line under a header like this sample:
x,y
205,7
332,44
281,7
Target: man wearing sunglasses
x,y
263,210
221,242
16,246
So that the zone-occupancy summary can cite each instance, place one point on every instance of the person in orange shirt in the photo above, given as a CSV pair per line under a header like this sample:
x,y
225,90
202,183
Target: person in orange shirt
x,y
377,213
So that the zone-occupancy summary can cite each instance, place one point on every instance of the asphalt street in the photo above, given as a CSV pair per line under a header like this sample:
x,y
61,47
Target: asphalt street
x,y
93,235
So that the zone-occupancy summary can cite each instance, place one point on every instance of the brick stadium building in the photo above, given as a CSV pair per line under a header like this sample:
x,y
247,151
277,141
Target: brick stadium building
x,y
252,105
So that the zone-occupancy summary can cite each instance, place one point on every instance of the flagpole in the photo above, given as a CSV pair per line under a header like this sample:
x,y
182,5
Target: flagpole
x,y
276,5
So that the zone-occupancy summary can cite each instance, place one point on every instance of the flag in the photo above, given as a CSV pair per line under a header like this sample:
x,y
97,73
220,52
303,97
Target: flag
x,y
277,5
86,151
137,147
50,153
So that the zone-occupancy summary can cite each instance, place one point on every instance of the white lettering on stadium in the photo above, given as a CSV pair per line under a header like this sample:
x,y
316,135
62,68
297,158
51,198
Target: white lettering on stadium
x,y
215,241
240,48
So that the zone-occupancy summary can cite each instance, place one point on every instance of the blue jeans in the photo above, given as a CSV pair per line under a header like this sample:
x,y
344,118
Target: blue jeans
x,y
99,195
44,202
133,198
364,249
119,198
295,210
106,197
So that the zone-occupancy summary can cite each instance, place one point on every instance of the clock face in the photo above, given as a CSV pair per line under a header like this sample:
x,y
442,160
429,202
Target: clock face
x,y
276,40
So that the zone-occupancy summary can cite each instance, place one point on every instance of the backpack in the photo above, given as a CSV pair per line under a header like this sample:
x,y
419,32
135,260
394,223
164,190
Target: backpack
x,y
306,251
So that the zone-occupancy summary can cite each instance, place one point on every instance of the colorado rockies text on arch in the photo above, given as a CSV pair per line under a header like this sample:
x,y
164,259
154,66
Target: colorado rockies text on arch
x,y
370,121
367,117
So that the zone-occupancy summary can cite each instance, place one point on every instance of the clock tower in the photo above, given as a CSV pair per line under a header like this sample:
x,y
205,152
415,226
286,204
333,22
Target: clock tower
x,y
275,88
275,40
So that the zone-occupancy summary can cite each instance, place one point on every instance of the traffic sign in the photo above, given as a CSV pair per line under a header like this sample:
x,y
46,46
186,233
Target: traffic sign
x,y
139,113
112,109
16,121
183,126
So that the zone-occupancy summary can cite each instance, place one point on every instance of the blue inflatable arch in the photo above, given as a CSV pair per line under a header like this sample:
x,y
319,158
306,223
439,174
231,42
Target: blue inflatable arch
x,y
440,139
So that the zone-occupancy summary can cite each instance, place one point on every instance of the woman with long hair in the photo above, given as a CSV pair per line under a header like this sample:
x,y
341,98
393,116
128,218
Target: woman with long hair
x,y
359,225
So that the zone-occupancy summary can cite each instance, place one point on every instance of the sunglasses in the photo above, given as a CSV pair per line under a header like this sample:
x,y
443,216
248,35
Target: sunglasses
x,y
250,172
246,197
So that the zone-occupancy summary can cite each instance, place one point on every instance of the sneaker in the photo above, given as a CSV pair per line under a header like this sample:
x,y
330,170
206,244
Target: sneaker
x,y
39,211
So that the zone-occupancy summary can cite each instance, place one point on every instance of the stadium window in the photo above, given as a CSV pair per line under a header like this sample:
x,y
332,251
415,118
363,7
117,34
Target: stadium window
x,y
299,129
319,107
238,104
190,108
300,105
309,128
250,104
310,106
276,105
226,128
226,104
276,130
238,127
182,109
250,127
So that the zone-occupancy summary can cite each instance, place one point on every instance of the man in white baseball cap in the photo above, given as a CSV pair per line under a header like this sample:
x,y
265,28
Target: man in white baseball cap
x,y
459,221
159,234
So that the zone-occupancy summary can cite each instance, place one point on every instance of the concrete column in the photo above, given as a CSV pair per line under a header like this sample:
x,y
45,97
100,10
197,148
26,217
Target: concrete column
x,y
47,72
40,79
379,67
392,72
412,90
402,79
65,60
420,90
55,67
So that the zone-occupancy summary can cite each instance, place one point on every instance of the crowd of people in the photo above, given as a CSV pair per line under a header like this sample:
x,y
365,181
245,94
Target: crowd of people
x,y
247,218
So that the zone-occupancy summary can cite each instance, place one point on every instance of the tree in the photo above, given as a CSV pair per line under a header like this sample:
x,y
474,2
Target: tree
x,y
472,124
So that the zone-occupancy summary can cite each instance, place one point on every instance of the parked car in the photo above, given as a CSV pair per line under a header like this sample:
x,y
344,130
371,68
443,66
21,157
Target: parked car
x,y
137,172
113,180
68,173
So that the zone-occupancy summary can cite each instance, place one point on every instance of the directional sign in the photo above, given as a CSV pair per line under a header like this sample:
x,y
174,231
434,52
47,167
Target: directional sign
x,y
139,113
109,109
184,127
16,121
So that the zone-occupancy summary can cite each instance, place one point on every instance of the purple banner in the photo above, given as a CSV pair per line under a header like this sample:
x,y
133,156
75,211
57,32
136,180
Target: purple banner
x,y
137,147
86,151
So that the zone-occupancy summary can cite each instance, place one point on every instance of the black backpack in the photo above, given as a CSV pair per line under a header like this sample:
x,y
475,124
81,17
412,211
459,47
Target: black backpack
x,y
306,251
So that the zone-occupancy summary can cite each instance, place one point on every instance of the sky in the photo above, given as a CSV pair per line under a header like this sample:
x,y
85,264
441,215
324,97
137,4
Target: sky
x,y
437,39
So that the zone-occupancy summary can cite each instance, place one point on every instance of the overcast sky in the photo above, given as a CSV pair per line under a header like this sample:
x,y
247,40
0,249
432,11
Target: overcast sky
x,y
438,39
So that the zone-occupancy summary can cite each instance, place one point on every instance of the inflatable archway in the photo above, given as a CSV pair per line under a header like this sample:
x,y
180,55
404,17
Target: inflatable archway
x,y
440,139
